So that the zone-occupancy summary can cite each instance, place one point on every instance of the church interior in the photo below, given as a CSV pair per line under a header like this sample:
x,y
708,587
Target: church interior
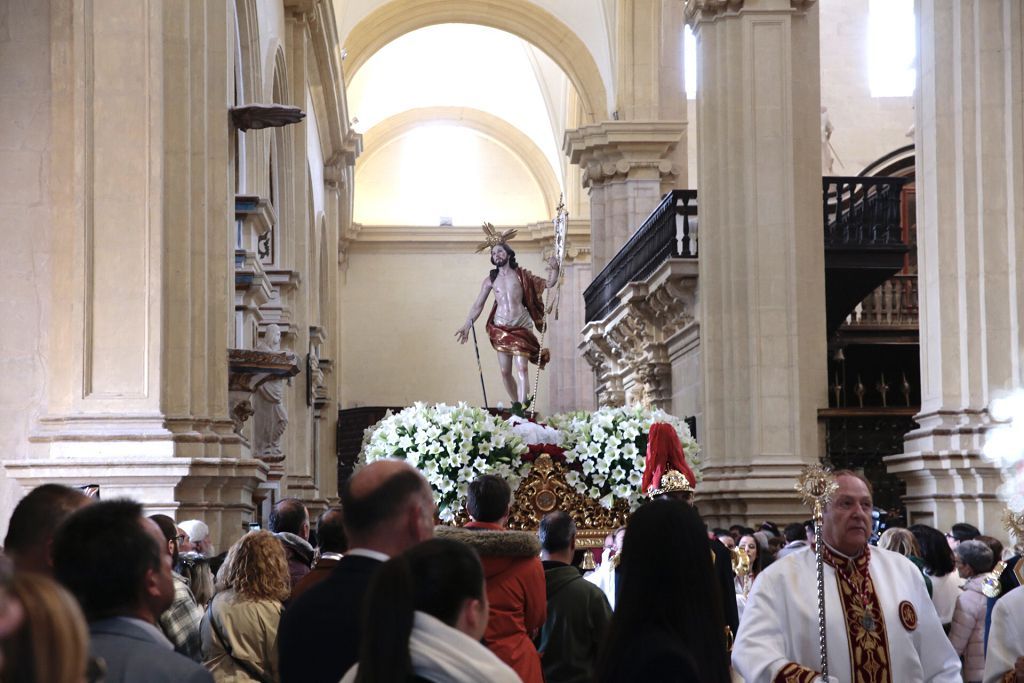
x,y
235,233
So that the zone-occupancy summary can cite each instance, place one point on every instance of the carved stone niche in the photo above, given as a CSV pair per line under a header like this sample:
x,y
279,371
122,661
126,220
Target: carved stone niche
x,y
247,370
255,218
318,369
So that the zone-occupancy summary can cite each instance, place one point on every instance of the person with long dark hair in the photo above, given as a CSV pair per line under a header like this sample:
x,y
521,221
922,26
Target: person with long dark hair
x,y
423,618
939,566
668,624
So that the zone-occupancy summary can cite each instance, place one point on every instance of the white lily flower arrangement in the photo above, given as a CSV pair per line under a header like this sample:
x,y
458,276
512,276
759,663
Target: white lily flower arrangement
x,y
451,446
609,446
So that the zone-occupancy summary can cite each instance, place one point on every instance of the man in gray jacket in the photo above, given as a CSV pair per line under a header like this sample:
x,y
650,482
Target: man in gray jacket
x,y
578,611
114,561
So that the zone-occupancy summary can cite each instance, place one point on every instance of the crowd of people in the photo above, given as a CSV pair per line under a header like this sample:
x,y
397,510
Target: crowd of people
x,y
374,592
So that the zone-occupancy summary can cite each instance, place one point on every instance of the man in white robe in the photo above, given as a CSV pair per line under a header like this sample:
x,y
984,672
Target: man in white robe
x,y
1005,638
881,625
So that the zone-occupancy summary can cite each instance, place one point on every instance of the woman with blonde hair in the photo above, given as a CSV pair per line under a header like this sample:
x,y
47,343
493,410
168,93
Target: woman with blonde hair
x,y
51,645
902,541
239,630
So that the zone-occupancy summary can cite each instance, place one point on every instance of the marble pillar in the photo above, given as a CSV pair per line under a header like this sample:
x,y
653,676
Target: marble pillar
x,y
970,213
625,165
631,161
762,288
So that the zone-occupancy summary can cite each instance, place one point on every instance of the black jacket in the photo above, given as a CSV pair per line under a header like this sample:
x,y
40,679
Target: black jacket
x,y
651,655
318,639
578,618
726,579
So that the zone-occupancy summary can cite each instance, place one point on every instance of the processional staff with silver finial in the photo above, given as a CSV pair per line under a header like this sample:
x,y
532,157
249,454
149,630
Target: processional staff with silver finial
x,y
560,223
816,486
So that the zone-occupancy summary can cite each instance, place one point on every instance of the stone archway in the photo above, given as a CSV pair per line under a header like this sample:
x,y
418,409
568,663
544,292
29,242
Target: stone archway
x,y
483,122
518,17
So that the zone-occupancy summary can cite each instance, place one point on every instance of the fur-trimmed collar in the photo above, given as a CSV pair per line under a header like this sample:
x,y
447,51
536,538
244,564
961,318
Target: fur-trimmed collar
x,y
493,543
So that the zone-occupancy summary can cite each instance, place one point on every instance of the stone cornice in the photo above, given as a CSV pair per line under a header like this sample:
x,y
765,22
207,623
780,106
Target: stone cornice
x,y
536,234
623,149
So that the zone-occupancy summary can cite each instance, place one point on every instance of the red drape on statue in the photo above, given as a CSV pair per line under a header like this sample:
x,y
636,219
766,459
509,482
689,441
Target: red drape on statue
x,y
520,341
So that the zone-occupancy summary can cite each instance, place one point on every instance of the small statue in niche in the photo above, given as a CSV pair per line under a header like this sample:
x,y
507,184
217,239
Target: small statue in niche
x,y
271,417
827,152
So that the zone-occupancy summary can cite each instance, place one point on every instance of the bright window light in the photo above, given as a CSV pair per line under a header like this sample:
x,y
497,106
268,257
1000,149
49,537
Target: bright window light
x,y
892,48
690,63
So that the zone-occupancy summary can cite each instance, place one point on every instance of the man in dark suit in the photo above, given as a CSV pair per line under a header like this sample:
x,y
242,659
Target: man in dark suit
x,y
114,561
388,508
331,545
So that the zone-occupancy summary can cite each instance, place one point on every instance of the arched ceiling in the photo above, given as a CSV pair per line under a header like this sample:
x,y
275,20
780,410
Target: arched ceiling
x,y
528,20
440,172
490,83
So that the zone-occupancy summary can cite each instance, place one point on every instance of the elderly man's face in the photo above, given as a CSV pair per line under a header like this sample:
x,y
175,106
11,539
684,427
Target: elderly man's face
x,y
847,520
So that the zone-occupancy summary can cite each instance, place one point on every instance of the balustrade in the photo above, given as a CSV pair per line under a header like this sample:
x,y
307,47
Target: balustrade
x,y
862,211
893,303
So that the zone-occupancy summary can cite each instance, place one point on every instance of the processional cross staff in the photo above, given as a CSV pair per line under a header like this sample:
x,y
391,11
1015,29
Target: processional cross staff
x,y
816,486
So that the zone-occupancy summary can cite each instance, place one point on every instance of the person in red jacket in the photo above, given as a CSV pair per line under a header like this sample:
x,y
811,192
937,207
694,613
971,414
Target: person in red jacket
x,y
516,589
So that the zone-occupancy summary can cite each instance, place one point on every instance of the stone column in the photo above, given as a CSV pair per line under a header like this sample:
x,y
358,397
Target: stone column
x,y
631,161
571,385
970,213
761,253
137,374
625,164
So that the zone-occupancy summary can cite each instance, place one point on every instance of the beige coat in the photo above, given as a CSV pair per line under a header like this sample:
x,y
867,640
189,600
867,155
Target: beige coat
x,y
251,629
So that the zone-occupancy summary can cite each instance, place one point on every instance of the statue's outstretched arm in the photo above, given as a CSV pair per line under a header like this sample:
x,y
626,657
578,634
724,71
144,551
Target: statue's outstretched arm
x,y
478,306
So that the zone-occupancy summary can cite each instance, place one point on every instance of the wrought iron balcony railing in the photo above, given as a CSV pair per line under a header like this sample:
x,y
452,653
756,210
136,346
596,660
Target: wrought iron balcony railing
x,y
862,212
861,221
669,232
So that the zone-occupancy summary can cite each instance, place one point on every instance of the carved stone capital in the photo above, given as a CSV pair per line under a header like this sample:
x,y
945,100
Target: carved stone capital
x,y
698,11
351,147
624,150
656,380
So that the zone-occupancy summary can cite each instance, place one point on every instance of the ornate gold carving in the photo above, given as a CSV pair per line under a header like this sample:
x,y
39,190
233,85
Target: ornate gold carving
x,y
544,490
